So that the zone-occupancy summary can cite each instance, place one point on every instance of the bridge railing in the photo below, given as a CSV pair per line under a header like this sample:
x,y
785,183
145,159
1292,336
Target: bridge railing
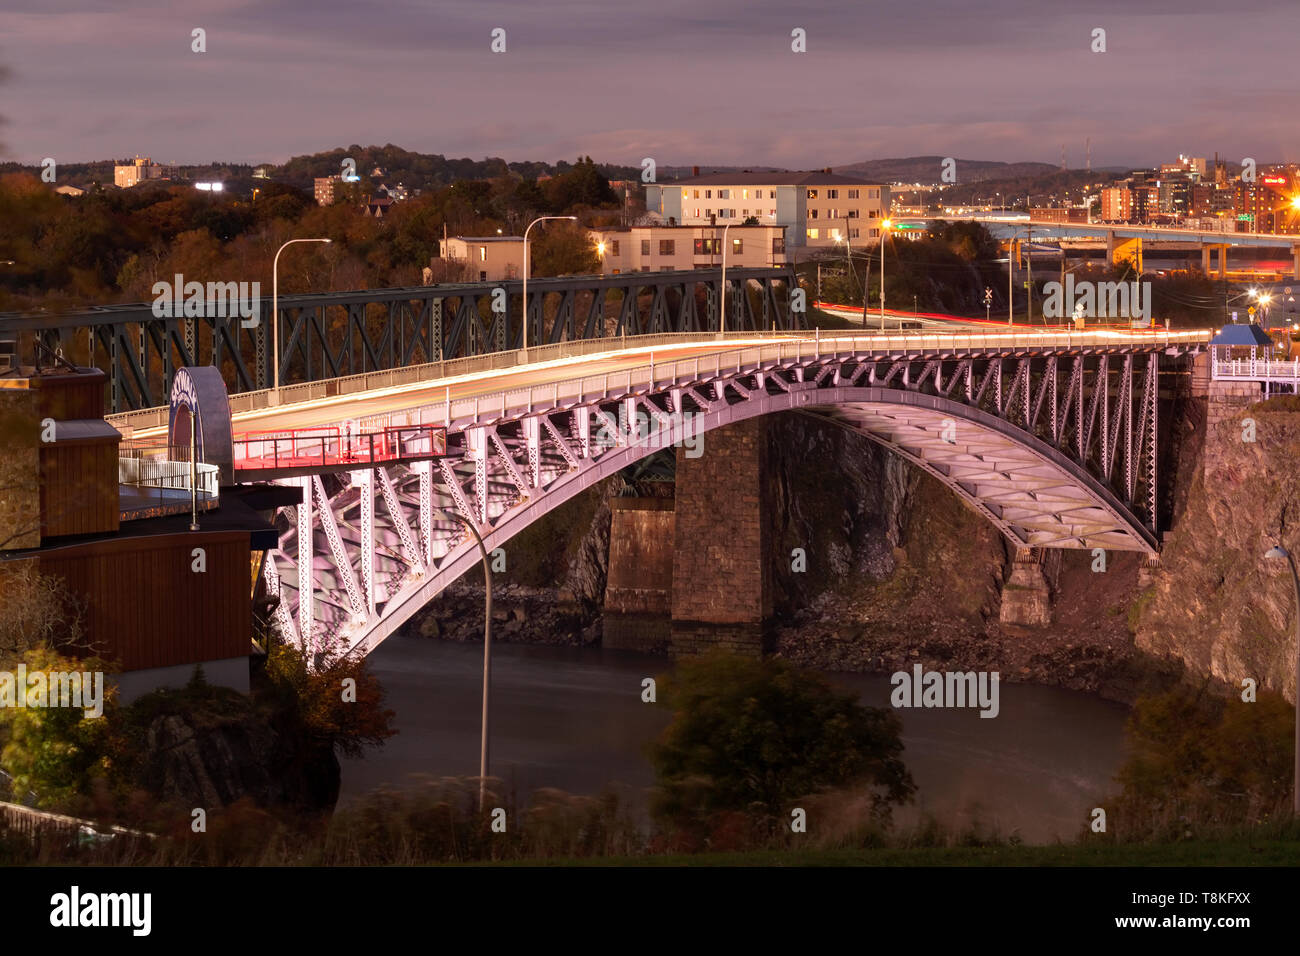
x,y
1249,370
665,374
333,446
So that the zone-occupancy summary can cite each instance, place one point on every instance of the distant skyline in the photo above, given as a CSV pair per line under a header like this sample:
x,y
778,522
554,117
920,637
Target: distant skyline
x,y
686,82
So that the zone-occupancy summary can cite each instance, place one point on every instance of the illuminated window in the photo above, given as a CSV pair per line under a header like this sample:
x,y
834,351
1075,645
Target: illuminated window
x,y
482,253
812,194
814,234
737,246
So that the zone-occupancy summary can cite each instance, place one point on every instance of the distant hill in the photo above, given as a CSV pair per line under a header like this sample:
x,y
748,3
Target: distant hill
x,y
928,169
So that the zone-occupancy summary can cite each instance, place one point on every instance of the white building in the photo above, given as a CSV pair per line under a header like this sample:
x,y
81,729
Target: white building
x,y
671,248
817,210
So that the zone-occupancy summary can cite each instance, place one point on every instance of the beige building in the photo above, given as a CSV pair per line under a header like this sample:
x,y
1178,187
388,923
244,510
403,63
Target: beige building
x,y
486,258
817,210
143,168
670,248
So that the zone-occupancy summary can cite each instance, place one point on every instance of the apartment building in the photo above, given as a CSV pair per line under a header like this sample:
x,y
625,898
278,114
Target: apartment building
x,y
816,210
140,170
670,248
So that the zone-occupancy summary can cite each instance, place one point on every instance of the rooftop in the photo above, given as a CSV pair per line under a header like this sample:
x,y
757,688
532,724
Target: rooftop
x,y
816,178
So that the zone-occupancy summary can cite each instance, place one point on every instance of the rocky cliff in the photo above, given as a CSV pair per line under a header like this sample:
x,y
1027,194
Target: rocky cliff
x,y
1216,604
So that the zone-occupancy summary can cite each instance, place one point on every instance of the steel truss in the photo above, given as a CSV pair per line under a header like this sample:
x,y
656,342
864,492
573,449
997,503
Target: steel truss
x,y
1058,450
333,334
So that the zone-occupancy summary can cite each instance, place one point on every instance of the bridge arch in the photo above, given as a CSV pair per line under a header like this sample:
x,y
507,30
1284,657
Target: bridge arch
x,y
1035,494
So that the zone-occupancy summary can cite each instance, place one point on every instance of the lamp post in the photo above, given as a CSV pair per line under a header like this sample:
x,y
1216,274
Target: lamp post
x,y
487,653
1277,551
530,226
884,231
722,310
275,315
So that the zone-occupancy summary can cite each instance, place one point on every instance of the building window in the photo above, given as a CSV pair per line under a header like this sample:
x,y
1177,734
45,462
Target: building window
x,y
665,268
645,247
853,233
724,193
874,233
613,247
873,193
737,246
744,194
812,194
482,277
731,214
667,247
482,253
645,268
814,234
778,244
853,214
853,194
832,194
832,214
812,213
706,247
617,271
697,194
708,194
772,213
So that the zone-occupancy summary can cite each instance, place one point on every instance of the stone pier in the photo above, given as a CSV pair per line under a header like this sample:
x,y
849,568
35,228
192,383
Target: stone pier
x,y
1026,597
639,588
721,587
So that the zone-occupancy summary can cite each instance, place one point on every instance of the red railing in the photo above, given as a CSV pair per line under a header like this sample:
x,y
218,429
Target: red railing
x,y
308,447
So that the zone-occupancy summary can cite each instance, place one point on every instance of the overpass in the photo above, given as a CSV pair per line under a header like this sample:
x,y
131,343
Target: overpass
x,y
1053,436
1110,232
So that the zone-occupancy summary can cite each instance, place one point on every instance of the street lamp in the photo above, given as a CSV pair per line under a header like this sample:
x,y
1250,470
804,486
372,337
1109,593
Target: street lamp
x,y
530,226
884,231
275,315
487,652
722,317
1277,551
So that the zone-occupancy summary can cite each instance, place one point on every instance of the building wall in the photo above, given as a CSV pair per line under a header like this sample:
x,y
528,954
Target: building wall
x,y
145,607
626,249
487,260
789,206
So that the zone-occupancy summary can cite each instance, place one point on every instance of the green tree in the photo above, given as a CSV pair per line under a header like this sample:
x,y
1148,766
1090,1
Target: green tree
x,y
756,734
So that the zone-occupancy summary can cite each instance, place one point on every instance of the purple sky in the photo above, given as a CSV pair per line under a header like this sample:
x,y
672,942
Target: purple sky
x,y
683,81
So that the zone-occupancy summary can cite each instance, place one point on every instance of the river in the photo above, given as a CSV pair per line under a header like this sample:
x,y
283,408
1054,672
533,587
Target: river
x,y
573,719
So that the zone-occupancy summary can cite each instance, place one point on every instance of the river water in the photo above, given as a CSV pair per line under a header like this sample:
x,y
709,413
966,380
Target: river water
x,y
573,719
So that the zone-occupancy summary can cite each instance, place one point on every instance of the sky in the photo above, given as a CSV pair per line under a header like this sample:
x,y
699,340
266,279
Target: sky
x,y
707,82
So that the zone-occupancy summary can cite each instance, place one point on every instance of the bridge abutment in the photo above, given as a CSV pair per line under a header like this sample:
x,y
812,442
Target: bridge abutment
x,y
639,588
721,580
1026,596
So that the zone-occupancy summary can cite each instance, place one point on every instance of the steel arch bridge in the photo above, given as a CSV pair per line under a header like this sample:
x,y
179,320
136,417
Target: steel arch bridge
x,y
1053,437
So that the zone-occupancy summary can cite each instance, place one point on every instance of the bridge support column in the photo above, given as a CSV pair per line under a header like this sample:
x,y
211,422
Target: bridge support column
x,y
1026,597
1205,259
1223,262
722,590
1295,262
639,586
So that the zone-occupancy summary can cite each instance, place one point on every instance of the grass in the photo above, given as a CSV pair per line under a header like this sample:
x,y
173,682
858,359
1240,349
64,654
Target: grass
x,y
1210,853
